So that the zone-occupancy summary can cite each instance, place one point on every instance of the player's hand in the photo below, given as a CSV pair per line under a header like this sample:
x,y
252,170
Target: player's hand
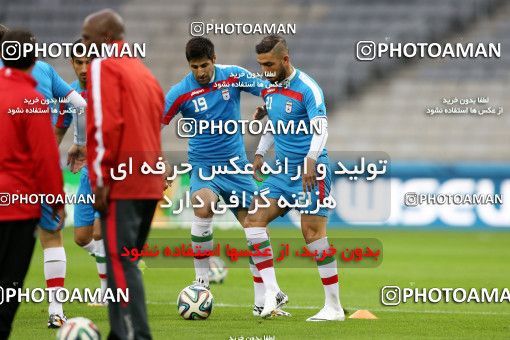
x,y
101,199
168,173
257,165
309,177
260,113
76,157
59,213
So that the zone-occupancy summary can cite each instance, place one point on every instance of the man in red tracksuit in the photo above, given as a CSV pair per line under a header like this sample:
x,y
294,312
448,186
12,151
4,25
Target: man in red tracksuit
x,y
125,104
29,164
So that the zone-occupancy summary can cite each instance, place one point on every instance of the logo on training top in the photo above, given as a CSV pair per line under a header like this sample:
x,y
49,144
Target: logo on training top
x,y
288,106
225,94
197,92
270,90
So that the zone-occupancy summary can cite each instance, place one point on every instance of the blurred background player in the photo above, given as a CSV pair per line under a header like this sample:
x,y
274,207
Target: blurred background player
x,y
296,97
87,227
123,124
52,86
198,96
30,164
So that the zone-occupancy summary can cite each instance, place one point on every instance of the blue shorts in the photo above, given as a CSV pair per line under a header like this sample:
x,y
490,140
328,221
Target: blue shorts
x,y
282,185
46,222
225,185
84,214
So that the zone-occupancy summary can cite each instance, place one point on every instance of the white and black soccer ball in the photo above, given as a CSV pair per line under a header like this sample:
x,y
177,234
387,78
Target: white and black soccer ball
x,y
217,270
78,329
195,303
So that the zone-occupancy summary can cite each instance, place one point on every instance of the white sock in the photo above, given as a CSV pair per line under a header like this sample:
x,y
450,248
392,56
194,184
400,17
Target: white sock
x,y
101,265
328,272
202,235
258,286
258,235
55,273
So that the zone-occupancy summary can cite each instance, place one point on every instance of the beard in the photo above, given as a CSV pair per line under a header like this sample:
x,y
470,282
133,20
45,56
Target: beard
x,y
281,75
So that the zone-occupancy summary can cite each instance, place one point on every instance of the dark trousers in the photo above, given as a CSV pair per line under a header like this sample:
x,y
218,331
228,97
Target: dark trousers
x,y
127,224
17,240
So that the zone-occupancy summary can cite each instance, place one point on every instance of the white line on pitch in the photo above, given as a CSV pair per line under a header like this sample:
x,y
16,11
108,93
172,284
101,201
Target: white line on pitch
x,y
350,309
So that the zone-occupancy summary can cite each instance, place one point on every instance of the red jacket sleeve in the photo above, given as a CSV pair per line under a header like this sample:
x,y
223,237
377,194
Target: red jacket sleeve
x,y
44,153
104,121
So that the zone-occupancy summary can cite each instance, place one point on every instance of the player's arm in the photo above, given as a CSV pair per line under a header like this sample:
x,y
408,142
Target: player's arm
x,y
44,152
316,110
265,143
173,102
79,124
59,133
319,138
260,112
104,127
61,89
63,121
76,155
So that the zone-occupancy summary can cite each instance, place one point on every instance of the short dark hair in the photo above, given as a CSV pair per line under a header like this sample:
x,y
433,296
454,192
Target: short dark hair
x,y
198,48
3,30
80,49
25,60
269,42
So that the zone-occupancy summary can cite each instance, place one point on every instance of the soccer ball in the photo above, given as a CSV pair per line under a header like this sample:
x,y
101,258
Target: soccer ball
x,y
217,270
78,329
195,303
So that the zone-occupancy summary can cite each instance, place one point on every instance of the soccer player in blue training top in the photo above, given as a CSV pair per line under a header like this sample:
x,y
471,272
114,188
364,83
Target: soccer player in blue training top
x,y
294,97
212,92
87,228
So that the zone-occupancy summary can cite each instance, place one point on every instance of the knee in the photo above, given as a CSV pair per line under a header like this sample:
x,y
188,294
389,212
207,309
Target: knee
x,y
50,239
81,239
251,221
204,212
206,201
206,198
96,230
96,235
312,234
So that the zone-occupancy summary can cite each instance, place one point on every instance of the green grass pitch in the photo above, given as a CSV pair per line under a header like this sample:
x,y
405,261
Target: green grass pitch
x,y
411,259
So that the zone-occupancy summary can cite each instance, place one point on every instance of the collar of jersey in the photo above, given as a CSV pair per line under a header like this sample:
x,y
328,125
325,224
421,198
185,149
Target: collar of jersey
x,y
213,75
286,82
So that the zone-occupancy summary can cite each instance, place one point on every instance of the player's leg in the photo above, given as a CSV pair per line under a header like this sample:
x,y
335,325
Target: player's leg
x,y
258,284
87,231
84,216
100,254
126,225
314,232
55,264
83,238
255,228
201,231
243,186
17,240
313,227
